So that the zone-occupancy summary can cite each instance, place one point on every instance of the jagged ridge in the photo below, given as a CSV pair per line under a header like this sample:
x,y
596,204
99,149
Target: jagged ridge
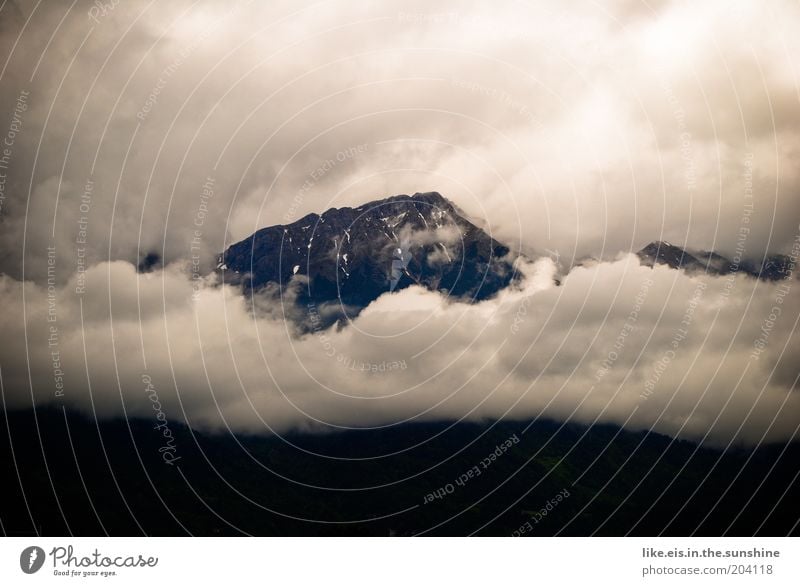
x,y
774,268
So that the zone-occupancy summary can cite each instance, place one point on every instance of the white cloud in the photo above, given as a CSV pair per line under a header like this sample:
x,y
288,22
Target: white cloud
x,y
586,130
557,125
537,352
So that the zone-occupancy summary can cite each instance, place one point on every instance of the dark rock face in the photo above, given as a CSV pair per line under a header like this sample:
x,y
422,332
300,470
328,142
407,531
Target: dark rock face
x,y
665,253
773,268
348,257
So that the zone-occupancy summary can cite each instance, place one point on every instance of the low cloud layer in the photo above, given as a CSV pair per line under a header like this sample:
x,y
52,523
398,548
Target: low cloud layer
x,y
696,357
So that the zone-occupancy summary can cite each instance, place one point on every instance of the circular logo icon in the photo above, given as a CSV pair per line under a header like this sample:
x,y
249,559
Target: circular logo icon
x,y
31,559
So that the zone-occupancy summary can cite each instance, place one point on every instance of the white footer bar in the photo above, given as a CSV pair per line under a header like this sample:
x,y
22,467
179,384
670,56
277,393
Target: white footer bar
x,y
400,561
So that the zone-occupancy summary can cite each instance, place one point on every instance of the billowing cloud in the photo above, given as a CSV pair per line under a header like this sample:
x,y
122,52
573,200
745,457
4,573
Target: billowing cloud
x,y
696,357
570,131
585,130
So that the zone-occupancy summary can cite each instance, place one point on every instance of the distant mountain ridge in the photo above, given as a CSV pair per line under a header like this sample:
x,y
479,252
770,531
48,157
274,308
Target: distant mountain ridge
x,y
774,268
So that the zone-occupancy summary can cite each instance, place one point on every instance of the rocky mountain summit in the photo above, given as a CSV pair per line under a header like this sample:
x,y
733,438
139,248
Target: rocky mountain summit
x,y
348,257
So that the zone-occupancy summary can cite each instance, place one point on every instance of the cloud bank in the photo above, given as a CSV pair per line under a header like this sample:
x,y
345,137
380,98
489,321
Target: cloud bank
x,y
696,357
566,131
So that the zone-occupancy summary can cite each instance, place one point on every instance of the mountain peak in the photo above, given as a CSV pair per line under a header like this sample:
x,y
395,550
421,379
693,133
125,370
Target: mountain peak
x,y
346,258
430,196
662,252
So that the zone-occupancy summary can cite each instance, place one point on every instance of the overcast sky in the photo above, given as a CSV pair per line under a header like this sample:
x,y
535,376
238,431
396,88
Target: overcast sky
x,y
578,129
